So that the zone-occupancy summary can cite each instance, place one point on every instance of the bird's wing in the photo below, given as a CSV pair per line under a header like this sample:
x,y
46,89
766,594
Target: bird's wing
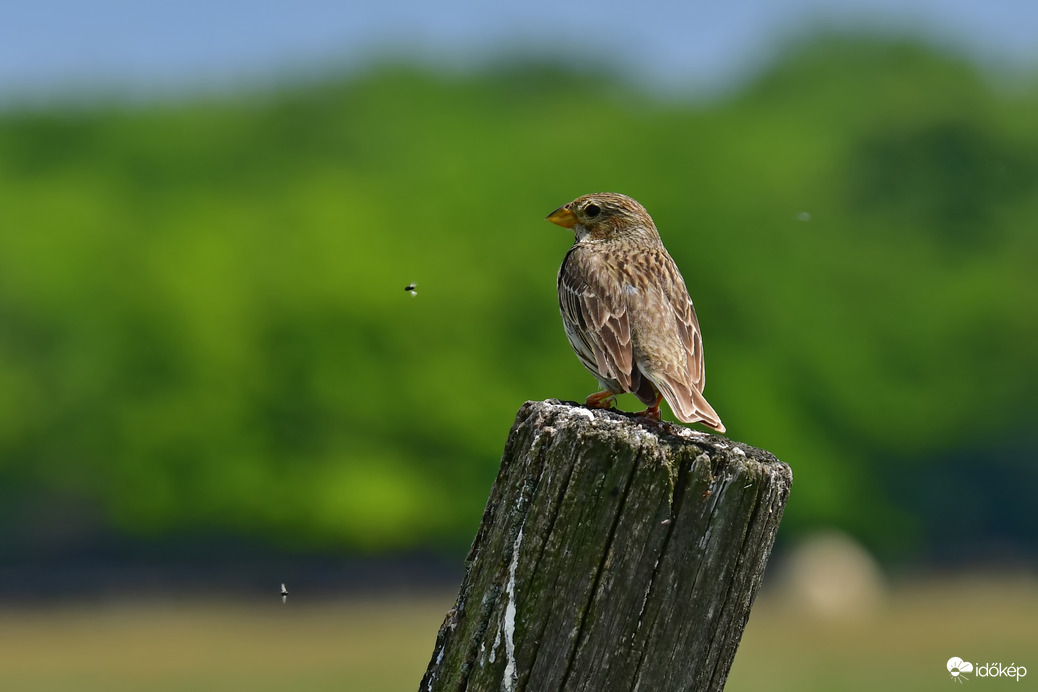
x,y
595,316
691,337
673,357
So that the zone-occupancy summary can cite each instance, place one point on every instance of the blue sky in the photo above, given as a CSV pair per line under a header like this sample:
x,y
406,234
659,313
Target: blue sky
x,y
51,47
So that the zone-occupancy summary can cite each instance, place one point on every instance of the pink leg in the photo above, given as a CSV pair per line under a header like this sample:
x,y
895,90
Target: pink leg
x,y
654,410
601,400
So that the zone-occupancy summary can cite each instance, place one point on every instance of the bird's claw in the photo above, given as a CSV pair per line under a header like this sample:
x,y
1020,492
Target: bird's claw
x,y
606,400
653,411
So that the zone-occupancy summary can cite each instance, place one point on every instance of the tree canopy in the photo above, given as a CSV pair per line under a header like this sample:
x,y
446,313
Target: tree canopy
x,y
203,323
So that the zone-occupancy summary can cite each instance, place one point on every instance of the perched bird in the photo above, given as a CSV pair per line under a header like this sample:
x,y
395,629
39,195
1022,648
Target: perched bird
x,y
627,312
284,593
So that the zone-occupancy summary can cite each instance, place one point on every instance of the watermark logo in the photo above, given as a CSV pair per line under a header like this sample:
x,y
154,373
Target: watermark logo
x,y
960,670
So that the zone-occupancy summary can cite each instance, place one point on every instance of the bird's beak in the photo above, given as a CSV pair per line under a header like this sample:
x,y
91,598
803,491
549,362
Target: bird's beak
x,y
563,217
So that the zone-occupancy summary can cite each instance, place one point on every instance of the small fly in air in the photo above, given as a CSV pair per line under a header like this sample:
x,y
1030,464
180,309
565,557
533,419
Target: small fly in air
x,y
410,288
284,593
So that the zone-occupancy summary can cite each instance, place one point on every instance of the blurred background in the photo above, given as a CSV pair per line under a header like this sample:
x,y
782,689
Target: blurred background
x,y
212,380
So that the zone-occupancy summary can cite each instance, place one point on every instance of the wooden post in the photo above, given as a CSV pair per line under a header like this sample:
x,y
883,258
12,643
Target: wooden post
x,y
615,553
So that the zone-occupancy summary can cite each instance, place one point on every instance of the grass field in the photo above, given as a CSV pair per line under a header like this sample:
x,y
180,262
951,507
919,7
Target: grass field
x,y
903,646
383,643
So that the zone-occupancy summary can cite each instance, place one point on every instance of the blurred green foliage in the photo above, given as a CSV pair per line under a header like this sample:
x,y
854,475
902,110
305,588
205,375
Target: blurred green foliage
x,y
203,323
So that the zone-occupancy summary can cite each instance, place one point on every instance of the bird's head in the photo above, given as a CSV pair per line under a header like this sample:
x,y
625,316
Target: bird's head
x,y
604,215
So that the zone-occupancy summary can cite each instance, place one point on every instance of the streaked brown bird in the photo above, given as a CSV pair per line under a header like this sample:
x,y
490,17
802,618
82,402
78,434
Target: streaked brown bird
x,y
626,310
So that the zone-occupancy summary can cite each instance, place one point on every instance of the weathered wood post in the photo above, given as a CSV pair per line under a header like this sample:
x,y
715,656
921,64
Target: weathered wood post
x,y
615,553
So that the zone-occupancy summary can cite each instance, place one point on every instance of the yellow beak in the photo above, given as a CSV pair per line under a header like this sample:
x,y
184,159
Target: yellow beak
x,y
563,217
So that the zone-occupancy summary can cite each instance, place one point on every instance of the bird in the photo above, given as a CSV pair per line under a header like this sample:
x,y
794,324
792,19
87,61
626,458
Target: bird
x,y
627,312
284,593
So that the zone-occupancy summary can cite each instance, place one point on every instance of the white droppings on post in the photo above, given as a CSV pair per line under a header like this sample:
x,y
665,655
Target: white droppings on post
x,y
508,680
739,452
645,600
687,433
583,412
497,643
641,436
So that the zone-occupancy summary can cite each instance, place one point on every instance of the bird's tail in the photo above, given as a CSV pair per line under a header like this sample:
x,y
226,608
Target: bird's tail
x,y
689,405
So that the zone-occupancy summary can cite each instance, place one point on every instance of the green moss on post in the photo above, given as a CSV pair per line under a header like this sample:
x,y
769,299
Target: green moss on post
x,y
615,553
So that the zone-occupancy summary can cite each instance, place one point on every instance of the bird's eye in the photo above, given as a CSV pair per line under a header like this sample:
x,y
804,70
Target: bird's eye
x,y
592,210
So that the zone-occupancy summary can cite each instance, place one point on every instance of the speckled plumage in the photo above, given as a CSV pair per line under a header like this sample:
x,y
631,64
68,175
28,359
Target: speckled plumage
x,y
626,310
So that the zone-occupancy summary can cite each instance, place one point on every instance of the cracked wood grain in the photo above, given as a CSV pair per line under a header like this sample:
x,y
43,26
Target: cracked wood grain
x,y
615,553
